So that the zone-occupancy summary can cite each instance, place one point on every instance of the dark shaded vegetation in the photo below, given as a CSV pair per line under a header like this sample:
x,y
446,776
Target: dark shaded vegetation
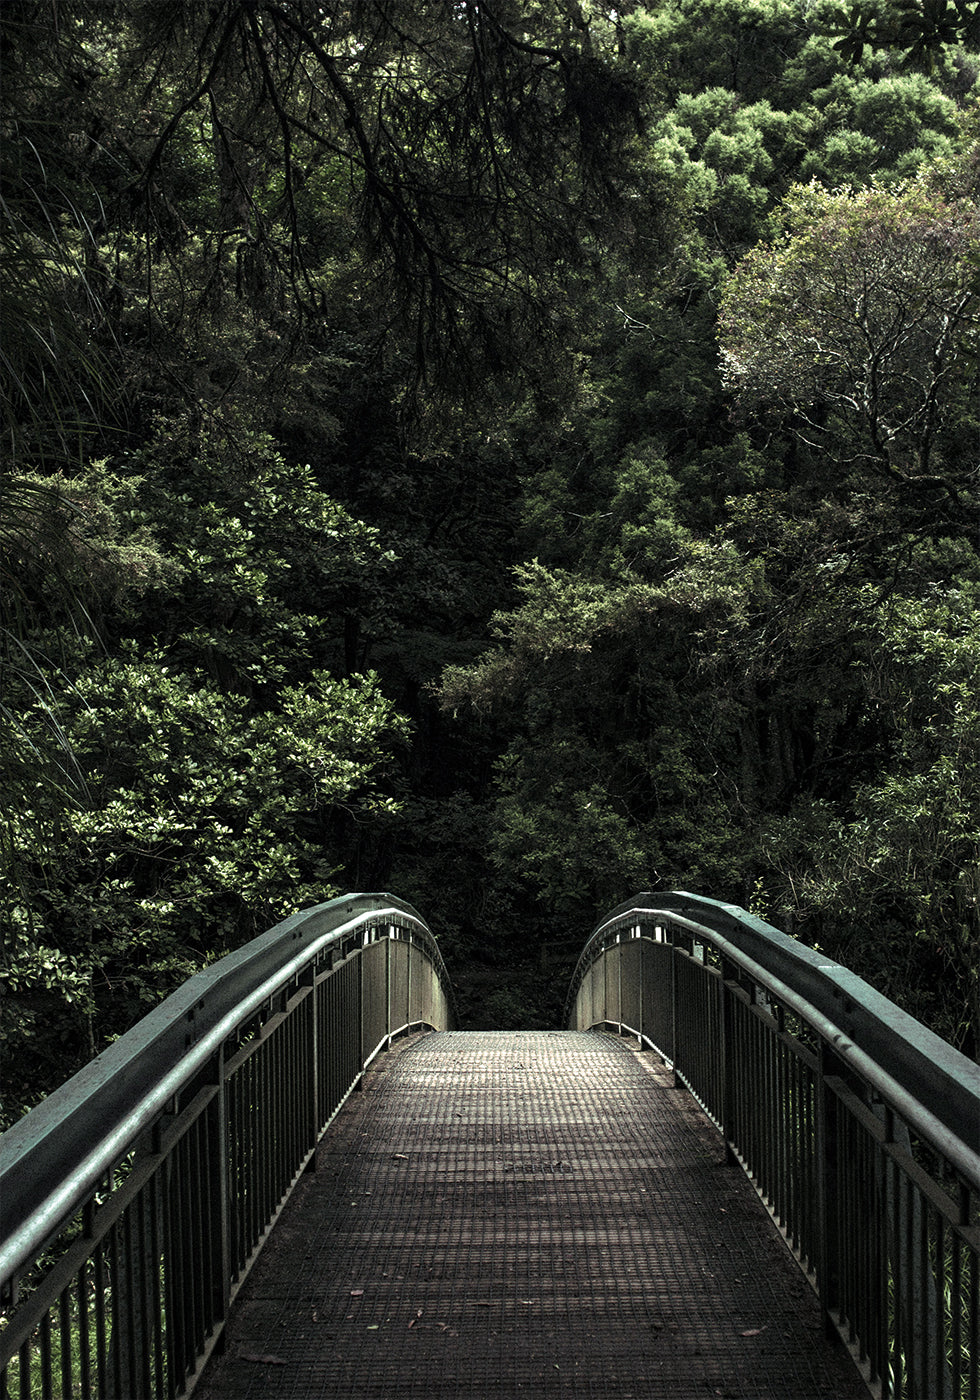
x,y
509,455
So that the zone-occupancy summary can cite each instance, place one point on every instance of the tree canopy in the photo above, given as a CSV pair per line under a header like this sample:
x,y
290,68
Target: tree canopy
x,y
507,454
864,321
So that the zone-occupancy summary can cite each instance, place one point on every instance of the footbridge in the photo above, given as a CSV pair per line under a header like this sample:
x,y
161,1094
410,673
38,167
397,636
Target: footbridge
x,y
736,1170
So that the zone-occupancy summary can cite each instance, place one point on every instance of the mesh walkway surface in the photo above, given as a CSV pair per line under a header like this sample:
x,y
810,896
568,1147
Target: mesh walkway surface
x,y
527,1214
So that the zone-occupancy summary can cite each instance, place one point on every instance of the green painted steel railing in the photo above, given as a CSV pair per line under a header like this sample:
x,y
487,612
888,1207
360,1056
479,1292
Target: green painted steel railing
x,y
136,1197
859,1127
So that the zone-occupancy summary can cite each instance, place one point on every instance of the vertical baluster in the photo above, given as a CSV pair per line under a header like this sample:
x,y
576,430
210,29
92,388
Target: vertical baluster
x,y
203,1251
945,1304
858,1302
806,1164
278,1134
44,1347
973,1314
876,1345
84,1341
924,1299
277,1123
779,1125
865,1299
270,1124
155,1264
789,1172
257,1164
193,1272
847,1221
759,1039
65,1340
772,1113
26,1386
896,1279
189,1277
901,1346
785,1127
146,1269
116,1306
237,1199
826,1140
878,1339
956,1319
172,1271
246,1152
909,1241
295,1080
99,1307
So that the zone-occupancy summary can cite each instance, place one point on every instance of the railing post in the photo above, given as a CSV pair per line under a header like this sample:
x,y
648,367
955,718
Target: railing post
x,y
315,1073
729,975
220,1182
389,974
409,1018
678,1083
916,1303
359,975
641,962
827,1149
619,980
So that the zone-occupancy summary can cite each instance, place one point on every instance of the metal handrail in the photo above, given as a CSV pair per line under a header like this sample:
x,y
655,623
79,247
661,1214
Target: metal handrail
x,y
162,1078
859,1126
930,1083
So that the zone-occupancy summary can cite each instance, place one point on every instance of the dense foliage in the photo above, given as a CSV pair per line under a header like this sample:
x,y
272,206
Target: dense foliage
x,y
512,455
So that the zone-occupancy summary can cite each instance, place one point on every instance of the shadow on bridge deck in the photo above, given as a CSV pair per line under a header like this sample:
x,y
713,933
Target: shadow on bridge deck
x,y
531,1214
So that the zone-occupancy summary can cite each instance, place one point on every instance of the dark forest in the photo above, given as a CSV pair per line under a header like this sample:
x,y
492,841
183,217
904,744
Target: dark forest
x,y
511,455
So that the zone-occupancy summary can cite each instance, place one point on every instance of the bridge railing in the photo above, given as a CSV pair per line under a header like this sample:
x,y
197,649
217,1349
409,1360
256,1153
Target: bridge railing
x,y
859,1127
135,1198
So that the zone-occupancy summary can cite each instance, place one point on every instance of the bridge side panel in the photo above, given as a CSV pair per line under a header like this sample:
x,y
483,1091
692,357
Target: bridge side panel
x,y
339,1037
698,1031
439,1015
658,999
399,979
611,985
422,986
374,997
583,1003
631,985
597,974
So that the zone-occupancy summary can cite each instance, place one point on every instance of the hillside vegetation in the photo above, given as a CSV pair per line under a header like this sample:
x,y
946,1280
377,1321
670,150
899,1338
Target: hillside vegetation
x,y
512,455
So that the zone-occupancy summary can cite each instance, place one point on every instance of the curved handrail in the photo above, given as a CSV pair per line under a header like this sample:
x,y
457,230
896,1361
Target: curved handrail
x,y
859,1126
110,1101
933,1079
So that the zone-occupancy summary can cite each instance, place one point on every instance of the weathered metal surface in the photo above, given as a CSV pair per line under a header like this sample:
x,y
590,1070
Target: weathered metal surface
x,y
534,1215
875,1180
926,1071
155,1174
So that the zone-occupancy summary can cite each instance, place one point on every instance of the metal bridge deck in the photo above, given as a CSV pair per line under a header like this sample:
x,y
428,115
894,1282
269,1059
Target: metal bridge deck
x,y
525,1215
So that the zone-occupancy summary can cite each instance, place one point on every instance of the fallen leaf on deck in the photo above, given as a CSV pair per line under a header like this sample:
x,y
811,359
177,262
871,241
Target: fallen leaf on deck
x,y
754,1331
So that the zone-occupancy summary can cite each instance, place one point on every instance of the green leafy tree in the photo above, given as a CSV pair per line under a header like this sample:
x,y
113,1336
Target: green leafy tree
x,y
889,882
204,823
861,321
601,776
474,146
922,29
